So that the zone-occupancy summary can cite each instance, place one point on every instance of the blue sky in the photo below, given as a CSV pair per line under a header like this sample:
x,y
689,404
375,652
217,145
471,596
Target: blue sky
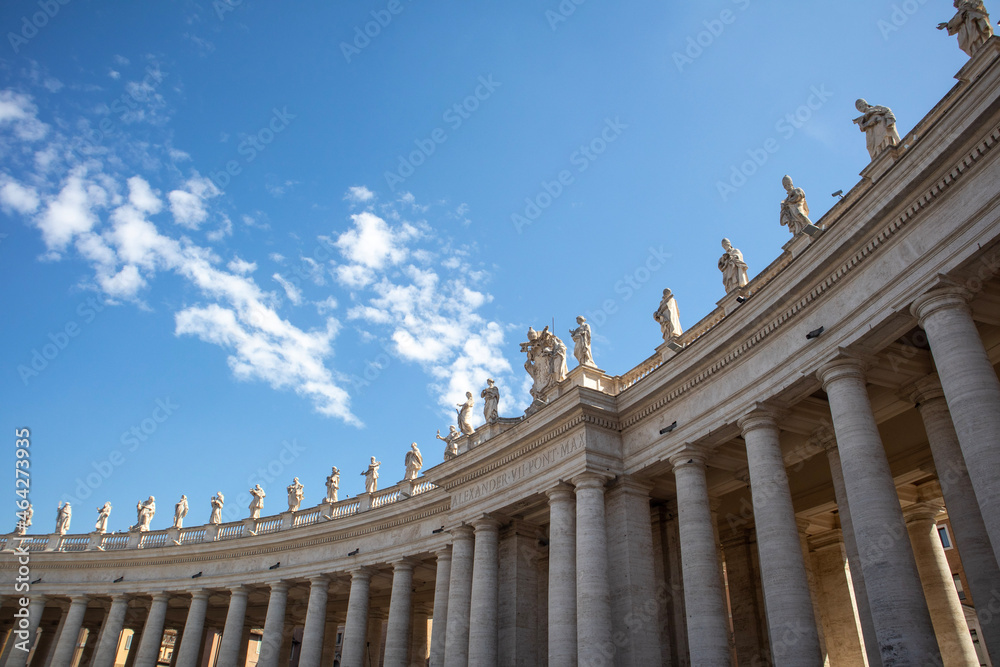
x,y
244,242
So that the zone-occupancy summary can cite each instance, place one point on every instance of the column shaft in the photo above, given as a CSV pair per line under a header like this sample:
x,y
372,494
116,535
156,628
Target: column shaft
x,y
111,632
593,590
397,638
312,634
418,645
459,598
15,656
66,645
439,629
232,633
902,623
562,576
483,605
353,651
194,627
274,626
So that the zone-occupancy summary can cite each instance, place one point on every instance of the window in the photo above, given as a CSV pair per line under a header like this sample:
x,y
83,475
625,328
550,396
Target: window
x,y
945,537
128,642
958,586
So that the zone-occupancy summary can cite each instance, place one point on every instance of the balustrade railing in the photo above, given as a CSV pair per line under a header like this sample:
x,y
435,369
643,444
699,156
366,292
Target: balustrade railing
x,y
74,543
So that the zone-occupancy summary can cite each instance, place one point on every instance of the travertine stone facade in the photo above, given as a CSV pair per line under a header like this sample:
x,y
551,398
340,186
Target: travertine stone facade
x,y
766,488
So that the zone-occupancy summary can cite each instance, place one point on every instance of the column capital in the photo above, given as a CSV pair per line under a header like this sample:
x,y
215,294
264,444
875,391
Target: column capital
x,y
443,554
561,492
952,297
631,484
239,590
486,522
924,390
589,480
403,564
319,580
926,511
843,367
199,594
280,586
758,418
361,573
79,598
688,458
463,532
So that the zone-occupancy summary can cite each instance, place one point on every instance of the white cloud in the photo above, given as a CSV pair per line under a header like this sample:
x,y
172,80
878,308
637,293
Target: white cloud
x,y
373,243
17,197
188,206
114,74
142,196
359,194
294,293
20,112
71,212
327,305
240,266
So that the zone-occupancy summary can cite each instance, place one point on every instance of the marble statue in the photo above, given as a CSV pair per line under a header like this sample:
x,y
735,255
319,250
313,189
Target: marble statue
x,y
450,442
465,414
668,316
491,401
581,342
24,520
794,209
545,363
63,515
332,485
414,462
371,476
879,126
296,492
145,510
972,25
257,503
180,511
218,501
734,269
103,513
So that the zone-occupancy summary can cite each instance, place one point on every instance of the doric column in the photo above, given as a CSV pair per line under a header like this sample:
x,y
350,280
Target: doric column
x,y
418,642
15,656
232,633
439,629
312,634
635,600
963,509
356,627
459,597
152,632
790,620
274,625
66,644
194,626
973,393
946,612
593,590
747,612
562,576
373,641
704,598
518,606
397,638
902,622
107,646
869,637
844,644
483,606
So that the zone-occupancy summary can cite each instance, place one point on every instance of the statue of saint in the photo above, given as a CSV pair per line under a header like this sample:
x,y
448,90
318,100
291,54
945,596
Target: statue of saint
x,y
794,209
24,520
545,363
414,462
465,414
668,316
296,492
972,25
734,269
371,476
581,342
491,401
145,510
451,446
218,501
257,502
63,515
879,125
332,485
180,511
103,513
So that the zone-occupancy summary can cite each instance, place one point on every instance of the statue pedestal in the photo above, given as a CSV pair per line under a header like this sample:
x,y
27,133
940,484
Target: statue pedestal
x,y
364,502
287,520
668,349
590,377
174,535
883,162
212,532
53,544
134,539
729,302
802,240
326,509
96,538
406,487
978,63
249,526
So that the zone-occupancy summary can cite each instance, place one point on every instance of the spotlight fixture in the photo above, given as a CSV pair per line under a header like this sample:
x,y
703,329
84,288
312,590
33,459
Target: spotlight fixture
x,y
195,576
674,345
36,581
664,431
437,530
355,552
838,193
741,299
275,566
119,580
815,333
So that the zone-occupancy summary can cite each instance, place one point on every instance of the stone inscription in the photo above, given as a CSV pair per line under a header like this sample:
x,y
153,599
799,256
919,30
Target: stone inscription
x,y
517,472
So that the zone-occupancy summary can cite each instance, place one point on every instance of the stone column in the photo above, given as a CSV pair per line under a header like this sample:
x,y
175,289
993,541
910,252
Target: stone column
x,y
312,634
562,576
746,612
635,600
152,632
456,652
704,598
353,651
15,656
902,622
971,537
945,608
870,640
114,622
593,590
518,606
187,653
397,638
418,643
232,633
483,606
844,644
373,643
790,619
274,625
439,629
972,390
66,644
